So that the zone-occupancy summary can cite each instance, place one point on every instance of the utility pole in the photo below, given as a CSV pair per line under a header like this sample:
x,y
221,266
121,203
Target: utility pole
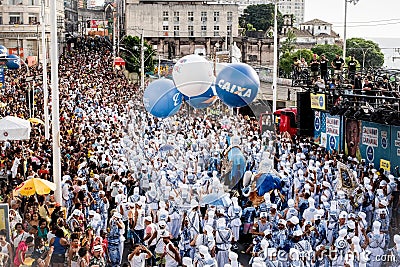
x,y
55,102
142,60
275,69
44,73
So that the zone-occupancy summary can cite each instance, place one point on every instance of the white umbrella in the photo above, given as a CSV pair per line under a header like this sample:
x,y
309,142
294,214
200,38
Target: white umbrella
x,y
14,128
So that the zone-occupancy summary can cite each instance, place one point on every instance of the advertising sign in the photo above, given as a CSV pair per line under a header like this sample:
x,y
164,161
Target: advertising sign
x,y
318,101
374,143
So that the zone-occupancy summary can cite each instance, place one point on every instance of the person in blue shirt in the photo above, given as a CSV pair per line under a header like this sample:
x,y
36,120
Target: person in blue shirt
x,y
248,215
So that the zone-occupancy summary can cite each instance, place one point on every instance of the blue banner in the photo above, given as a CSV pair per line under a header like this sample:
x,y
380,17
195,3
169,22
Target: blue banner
x,y
319,125
333,128
395,146
375,143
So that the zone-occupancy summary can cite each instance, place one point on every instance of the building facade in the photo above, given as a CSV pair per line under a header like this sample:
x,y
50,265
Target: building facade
x,y
71,17
20,25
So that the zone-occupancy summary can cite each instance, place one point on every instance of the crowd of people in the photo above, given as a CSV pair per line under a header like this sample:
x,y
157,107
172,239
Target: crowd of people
x,y
138,191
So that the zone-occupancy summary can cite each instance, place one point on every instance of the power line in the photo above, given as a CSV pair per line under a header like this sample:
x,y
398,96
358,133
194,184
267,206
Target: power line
x,y
368,25
371,21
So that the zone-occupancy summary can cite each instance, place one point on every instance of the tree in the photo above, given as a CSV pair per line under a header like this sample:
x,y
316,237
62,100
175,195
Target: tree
x,y
289,44
261,17
365,51
328,50
130,52
286,60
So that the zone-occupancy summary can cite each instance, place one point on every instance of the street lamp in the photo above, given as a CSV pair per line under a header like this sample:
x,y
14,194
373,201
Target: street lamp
x,y
364,51
345,25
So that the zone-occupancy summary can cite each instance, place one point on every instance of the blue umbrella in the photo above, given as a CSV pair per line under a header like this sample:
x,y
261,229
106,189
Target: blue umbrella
x,y
216,200
267,182
166,148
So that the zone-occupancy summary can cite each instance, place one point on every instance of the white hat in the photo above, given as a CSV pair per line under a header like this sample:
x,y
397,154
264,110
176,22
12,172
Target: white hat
x,y
208,229
139,203
396,239
267,232
383,202
162,223
294,220
351,225
76,213
343,215
376,225
187,261
326,184
117,215
203,249
148,218
298,233
274,206
221,223
92,213
98,248
282,221
290,203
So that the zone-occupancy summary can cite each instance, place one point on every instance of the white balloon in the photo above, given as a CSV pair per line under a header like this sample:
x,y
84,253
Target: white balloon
x,y
193,75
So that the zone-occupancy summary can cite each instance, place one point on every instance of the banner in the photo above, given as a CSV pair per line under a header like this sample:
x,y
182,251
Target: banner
x,y
347,180
319,126
352,138
327,131
395,146
333,126
375,142
318,101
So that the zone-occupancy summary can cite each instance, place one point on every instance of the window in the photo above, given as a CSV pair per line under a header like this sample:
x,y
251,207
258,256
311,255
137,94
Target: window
x,y
203,16
319,27
176,30
176,16
33,20
165,15
203,28
1,20
190,16
165,28
216,30
229,30
325,27
15,18
191,30
216,16
229,16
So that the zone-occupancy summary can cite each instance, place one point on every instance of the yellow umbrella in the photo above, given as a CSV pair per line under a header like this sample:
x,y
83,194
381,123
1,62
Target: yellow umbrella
x,y
35,121
35,186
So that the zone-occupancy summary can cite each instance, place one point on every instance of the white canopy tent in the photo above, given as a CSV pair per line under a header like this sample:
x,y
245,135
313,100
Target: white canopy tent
x,y
14,128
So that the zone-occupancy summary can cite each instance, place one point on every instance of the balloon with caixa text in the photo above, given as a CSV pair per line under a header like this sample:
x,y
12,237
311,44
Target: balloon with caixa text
x,y
162,99
237,85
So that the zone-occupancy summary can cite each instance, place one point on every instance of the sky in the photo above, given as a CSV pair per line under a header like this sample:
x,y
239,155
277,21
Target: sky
x,y
368,18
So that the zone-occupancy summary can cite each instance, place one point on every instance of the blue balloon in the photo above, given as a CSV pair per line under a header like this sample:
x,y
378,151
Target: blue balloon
x,y
162,99
204,100
13,62
3,51
237,85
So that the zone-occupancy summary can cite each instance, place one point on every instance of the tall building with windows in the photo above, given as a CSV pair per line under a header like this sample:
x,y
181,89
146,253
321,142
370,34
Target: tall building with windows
x,y
286,7
20,28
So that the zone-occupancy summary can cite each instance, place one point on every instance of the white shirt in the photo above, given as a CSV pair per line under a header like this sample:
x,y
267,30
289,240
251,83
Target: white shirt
x,y
138,261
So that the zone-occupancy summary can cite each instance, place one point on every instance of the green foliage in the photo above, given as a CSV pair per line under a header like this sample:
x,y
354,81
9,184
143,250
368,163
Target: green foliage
x,y
286,60
360,47
261,17
130,52
289,44
328,50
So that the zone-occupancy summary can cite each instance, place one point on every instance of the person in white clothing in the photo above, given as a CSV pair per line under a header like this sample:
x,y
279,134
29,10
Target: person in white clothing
x,y
138,256
171,253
